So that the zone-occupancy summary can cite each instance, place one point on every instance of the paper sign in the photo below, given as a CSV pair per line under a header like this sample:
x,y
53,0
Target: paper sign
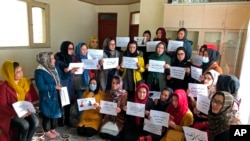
x,y
148,126
76,65
135,109
130,62
197,60
177,72
86,103
159,118
154,95
90,64
141,41
196,89
95,53
64,96
22,107
152,45
108,108
192,134
156,66
173,45
196,73
109,63
203,103
122,41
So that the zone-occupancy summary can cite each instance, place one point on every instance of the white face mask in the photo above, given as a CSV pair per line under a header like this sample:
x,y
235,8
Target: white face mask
x,y
205,59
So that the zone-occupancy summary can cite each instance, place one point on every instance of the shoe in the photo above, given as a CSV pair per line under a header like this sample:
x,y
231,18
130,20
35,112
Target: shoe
x,y
55,132
60,122
50,135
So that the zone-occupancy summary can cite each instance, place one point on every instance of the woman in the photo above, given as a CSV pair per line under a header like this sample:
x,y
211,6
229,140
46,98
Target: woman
x,y
165,99
119,96
105,76
220,116
161,35
14,89
131,77
93,43
48,84
90,120
181,60
156,80
147,34
134,125
63,59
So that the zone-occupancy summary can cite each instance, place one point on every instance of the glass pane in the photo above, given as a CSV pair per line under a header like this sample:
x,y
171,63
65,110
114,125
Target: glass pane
x,y
135,18
14,25
38,20
232,45
108,16
213,37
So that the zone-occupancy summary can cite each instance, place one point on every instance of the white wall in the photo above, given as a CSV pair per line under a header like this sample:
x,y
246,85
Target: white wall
x,y
151,15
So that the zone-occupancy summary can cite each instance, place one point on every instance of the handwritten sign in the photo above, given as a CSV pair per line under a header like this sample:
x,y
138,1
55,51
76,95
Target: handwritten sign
x,y
151,46
203,103
130,62
156,66
76,65
95,53
197,60
177,72
122,41
192,134
135,109
22,107
85,103
109,63
64,96
141,41
154,94
159,118
90,64
148,126
173,45
196,89
108,108
196,73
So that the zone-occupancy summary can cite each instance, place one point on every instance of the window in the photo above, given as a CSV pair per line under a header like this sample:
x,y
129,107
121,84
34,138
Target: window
x,y
24,23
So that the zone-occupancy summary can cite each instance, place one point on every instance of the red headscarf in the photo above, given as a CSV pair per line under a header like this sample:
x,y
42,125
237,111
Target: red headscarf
x,y
141,101
182,107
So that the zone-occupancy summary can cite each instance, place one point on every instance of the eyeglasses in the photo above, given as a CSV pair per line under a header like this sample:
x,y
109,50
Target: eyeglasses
x,y
180,53
70,48
217,102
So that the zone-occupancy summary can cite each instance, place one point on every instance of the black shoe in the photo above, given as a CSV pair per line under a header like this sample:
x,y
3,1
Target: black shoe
x,y
60,122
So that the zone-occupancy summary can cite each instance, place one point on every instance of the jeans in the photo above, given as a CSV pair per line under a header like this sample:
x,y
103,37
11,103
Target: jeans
x,y
48,123
26,126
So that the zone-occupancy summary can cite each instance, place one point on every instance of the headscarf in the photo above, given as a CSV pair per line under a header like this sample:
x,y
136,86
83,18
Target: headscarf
x,y
106,46
23,85
115,94
163,35
185,34
214,75
213,55
64,51
221,121
170,90
78,53
90,41
44,59
176,61
149,33
182,107
157,57
128,53
97,86
141,101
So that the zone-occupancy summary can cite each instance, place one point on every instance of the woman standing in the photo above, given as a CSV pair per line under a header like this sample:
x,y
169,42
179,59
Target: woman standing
x,y
15,88
48,84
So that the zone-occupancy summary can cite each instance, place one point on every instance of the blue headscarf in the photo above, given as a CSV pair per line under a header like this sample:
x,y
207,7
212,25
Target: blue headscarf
x,y
85,74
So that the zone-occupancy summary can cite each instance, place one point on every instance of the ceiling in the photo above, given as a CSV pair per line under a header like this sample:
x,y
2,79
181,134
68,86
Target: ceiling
x,y
110,2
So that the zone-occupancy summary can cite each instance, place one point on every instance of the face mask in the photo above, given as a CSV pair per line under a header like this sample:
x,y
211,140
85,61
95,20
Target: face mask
x,y
205,59
92,87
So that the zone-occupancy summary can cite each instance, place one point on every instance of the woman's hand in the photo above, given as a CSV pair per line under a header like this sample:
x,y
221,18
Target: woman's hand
x,y
147,66
125,108
138,65
101,62
172,124
27,114
118,110
166,66
97,106
58,87
187,70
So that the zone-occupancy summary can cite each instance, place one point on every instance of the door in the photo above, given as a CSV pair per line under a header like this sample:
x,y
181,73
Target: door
x,y
134,24
107,26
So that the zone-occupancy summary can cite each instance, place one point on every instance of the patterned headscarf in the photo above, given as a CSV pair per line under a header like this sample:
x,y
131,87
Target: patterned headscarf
x,y
23,85
116,93
221,121
44,59
182,107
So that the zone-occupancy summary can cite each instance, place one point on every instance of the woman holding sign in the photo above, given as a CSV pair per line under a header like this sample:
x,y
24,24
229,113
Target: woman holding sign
x,y
48,84
157,80
132,76
15,88
90,120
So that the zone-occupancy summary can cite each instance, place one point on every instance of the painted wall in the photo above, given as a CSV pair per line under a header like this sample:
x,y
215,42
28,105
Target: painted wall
x,y
151,15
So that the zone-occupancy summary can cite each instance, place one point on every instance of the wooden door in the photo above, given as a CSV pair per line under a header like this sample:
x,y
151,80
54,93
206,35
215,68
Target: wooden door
x,y
134,24
107,26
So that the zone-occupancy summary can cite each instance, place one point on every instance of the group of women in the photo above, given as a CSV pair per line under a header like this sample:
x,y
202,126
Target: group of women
x,y
119,85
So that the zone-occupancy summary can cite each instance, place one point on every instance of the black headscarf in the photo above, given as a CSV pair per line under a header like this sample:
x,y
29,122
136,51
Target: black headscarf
x,y
213,56
128,53
63,54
